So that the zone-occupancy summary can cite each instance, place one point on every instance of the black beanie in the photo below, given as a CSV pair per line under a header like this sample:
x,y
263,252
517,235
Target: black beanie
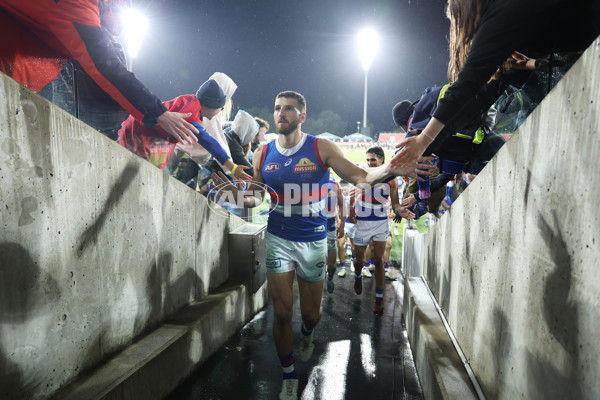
x,y
211,94
402,111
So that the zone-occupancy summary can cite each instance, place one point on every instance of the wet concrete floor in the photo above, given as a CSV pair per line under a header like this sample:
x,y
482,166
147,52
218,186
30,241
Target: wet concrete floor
x,y
358,355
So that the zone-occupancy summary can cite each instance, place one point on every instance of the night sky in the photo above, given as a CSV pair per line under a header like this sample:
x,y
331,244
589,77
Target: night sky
x,y
306,45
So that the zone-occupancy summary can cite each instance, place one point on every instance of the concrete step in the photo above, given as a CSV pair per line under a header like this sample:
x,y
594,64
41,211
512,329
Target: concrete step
x,y
440,368
157,363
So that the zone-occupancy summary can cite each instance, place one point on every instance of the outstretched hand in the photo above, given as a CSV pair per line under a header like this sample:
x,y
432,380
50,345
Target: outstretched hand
x,y
418,169
405,213
408,200
223,184
241,175
175,124
413,149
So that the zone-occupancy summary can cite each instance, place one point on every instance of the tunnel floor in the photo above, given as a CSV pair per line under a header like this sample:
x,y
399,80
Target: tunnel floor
x,y
358,355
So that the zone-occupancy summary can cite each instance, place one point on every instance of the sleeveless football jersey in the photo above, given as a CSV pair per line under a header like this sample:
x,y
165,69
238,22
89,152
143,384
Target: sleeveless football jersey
x,y
297,183
372,205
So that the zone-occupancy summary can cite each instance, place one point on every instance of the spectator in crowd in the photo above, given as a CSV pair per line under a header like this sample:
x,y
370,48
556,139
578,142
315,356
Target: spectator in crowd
x,y
469,148
207,103
483,35
296,242
262,130
244,129
76,92
402,112
214,125
44,34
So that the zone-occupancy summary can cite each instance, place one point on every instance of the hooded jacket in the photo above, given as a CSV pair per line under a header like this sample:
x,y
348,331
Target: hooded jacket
x,y
243,129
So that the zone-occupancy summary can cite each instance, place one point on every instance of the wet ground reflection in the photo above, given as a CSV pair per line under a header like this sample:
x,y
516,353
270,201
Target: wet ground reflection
x,y
357,354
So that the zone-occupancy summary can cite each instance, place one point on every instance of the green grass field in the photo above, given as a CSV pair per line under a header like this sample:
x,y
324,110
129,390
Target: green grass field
x,y
359,156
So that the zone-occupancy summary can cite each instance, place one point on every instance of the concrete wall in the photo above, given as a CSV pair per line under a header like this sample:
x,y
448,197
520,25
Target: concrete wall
x,y
515,263
413,250
96,245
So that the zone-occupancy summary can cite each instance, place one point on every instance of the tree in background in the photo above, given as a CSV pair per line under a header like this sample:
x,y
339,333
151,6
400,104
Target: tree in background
x,y
264,113
327,121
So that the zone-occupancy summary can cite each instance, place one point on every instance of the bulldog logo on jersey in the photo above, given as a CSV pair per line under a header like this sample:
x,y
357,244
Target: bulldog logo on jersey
x,y
305,165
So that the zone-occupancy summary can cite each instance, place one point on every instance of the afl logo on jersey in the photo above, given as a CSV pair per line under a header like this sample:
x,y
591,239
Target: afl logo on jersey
x,y
305,165
271,167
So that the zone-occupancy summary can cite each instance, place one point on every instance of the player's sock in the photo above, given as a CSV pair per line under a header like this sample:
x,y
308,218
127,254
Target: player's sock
x,y
288,366
378,293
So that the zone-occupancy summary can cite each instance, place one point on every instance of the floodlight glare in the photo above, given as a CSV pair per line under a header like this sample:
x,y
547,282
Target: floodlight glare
x,y
135,26
368,44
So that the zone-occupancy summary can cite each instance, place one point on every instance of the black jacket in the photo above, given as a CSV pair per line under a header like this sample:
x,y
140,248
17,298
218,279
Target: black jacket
x,y
531,27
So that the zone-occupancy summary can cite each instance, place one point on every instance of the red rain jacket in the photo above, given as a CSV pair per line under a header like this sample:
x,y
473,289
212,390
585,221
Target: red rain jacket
x,y
155,144
40,35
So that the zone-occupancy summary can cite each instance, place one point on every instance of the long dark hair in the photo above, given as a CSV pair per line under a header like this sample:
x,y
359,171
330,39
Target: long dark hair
x,y
464,16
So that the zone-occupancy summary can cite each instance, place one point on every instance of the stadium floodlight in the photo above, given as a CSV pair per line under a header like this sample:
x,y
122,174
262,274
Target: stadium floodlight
x,y
368,45
134,30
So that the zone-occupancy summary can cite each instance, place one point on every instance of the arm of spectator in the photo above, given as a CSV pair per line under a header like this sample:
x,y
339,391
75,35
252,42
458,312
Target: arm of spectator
x,y
251,197
412,148
521,61
238,155
504,27
409,200
237,170
211,144
175,124
439,182
92,47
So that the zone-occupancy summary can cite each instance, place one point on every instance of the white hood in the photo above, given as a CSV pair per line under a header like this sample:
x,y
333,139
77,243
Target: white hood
x,y
245,127
228,85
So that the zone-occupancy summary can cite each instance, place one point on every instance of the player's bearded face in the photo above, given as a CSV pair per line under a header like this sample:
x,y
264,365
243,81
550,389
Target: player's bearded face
x,y
286,115
287,125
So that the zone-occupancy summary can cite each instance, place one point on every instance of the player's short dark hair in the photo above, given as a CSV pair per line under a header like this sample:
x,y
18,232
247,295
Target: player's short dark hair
x,y
289,94
378,151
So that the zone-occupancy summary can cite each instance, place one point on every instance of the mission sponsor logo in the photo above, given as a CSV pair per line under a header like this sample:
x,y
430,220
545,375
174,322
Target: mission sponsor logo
x,y
272,167
305,165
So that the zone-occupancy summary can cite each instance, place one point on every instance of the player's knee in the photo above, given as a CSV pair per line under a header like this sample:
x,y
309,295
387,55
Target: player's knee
x,y
282,315
311,319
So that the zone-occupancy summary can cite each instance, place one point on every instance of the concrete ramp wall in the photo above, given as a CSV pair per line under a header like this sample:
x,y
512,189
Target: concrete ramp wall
x,y
515,264
97,246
